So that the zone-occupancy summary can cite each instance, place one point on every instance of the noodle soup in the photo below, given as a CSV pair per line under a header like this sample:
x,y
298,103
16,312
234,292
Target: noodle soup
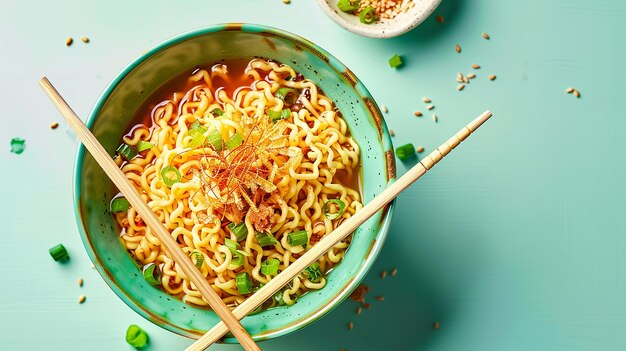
x,y
248,165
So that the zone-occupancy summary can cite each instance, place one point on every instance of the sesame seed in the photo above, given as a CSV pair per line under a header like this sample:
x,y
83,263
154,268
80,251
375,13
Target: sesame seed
x,y
430,107
460,87
391,133
426,100
80,282
576,93
458,48
367,306
475,66
394,272
82,298
485,36
54,125
358,311
286,1
69,41
471,76
492,77
383,274
435,119
384,108
419,151
569,90
350,326
440,19
380,298
465,80
84,39
459,77
417,114
436,325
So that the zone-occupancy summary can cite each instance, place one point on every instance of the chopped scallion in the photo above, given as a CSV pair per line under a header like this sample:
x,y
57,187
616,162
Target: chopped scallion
x,y
217,112
119,204
395,61
136,337
59,253
405,151
278,115
313,273
297,238
288,95
348,5
197,258
244,284
215,138
278,297
326,209
368,15
240,230
234,141
197,141
18,145
144,145
126,151
237,260
196,129
170,175
231,245
270,266
152,274
265,239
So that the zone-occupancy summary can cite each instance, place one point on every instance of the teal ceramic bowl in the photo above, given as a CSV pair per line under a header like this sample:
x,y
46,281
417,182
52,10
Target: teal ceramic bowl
x,y
111,116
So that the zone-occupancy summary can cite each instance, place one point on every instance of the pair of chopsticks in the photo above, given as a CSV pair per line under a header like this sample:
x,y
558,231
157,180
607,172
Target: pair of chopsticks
x,y
230,320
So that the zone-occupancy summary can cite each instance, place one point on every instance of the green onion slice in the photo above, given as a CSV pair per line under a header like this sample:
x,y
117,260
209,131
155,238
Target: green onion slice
x,y
18,145
313,273
234,141
237,260
278,297
240,230
278,115
244,284
59,253
215,138
395,61
197,141
196,129
288,95
405,151
265,239
217,112
152,274
197,258
368,15
348,5
126,151
298,238
168,179
144,145
326,209
136,336
231,245
270,266
119,204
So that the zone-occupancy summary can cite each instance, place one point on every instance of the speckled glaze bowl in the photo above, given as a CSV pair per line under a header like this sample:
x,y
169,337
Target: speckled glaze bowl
x,y
111,116
384,28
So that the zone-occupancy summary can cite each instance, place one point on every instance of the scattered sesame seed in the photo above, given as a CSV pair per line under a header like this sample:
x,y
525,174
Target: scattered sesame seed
x,y
417,114
350,326
440,19
435,118
80,282
569,90
82,298
492,77
384,108
54,125
419,151
394,272
367,306
471,76
426,100
458,48
485,35
383,274
475,66
460,87
466,80
84,39
392,133
436,326
380,298
576,93
69,41
459,77
430,107
286,1
358,311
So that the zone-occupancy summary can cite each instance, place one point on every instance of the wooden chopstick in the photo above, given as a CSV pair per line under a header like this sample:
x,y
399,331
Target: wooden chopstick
x,y
347,227
123,184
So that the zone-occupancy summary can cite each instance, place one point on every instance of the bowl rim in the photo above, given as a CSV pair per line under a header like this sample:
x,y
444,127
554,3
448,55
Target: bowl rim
x,y
373,30
335,300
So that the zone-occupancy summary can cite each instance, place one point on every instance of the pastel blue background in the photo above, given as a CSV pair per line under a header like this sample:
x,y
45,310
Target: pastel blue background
x,y
514,242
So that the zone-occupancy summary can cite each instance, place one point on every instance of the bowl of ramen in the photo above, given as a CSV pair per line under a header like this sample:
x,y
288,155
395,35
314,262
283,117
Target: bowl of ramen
x,y
250,144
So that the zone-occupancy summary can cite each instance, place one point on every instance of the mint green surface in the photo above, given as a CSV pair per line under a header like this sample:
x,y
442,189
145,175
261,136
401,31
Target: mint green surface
x,y
515,241
127,93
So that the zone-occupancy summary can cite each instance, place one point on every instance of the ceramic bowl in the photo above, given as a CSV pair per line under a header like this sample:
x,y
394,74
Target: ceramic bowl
x,y
111,116
383,28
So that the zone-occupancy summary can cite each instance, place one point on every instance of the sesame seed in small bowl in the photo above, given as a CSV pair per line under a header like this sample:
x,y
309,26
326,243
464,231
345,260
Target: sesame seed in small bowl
x,y
379,18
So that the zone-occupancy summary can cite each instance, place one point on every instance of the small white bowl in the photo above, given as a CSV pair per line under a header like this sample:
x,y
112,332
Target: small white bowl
x,y
383,28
